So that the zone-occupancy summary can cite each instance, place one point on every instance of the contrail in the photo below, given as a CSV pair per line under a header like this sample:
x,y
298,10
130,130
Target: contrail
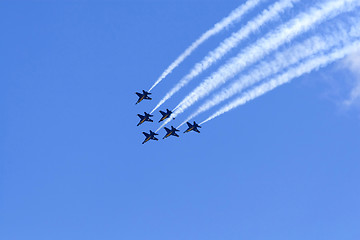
x,y
225,22
213,56
263,46
307,67
283,60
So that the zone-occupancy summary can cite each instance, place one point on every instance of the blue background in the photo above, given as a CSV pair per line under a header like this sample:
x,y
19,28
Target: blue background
x,y
72,166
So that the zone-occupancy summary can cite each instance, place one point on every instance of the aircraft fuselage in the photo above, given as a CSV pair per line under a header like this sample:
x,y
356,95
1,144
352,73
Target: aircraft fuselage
x,y
164,117
190,129
167,135
141,98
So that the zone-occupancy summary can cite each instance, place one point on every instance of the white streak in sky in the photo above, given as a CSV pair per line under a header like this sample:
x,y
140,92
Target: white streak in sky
x,y
285,33
213,56
225,22
303,68
352,63
298,52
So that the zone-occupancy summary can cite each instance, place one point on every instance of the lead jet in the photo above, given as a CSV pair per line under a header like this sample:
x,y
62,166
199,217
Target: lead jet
x,y
171,132
192,127
150,136
143,96
165,115
144,118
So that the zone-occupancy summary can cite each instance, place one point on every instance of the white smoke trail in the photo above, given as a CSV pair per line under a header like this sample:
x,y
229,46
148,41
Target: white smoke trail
x,y
303,68
271,41
282,60
268,14
224,23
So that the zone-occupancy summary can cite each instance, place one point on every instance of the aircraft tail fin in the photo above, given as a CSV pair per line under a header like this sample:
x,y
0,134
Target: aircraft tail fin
x,y
151,132
174,129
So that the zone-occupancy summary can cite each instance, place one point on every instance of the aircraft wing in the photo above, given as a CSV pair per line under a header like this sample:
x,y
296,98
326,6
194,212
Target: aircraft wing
x,y
146,134
189,124
139,94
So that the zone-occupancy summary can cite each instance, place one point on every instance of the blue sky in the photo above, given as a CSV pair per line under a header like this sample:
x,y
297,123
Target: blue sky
x,y
72,166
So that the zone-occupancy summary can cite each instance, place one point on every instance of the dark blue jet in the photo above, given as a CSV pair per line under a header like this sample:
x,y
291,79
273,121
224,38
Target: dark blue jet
x,y
192,127
150,136
165,115
171,132
143,96
145,118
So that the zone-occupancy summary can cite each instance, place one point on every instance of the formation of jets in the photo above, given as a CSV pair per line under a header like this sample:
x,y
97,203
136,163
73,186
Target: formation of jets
x,y
147,118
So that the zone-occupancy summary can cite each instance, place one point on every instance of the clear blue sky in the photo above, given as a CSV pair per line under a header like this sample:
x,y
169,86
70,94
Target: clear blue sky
x,y
72,166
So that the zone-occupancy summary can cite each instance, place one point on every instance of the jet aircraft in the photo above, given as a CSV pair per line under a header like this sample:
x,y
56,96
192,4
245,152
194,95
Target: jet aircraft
x,y
171,132
192,127
150,136
165,115
144,118
143,96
